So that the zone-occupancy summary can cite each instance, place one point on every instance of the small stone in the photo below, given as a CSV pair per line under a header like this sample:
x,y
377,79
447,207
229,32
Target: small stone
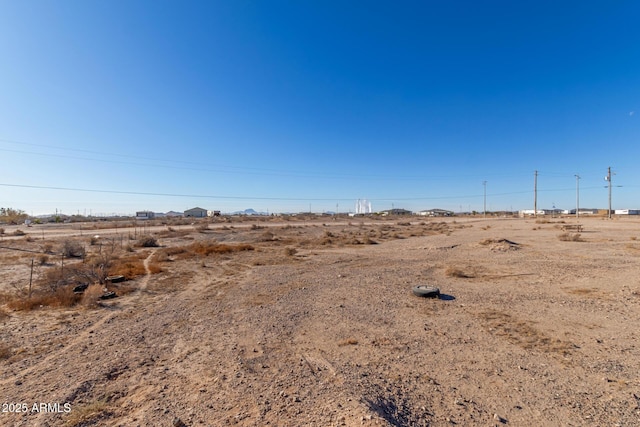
x,y
499,418
177,422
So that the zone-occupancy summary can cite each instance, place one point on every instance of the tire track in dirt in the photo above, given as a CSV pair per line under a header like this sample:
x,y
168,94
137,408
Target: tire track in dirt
x,y
82,337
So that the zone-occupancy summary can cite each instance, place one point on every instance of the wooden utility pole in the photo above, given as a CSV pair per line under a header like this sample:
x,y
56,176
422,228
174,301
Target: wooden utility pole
x,y
31,278
535,194
608,178
484,206
577,196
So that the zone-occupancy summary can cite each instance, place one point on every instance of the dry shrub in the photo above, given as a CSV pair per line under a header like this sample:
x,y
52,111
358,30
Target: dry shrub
x,y
122,288
267,236
19,232
5,352
129,268
290,251
458,272
154,268
570,237
3,314
43,259
202,227
369,241
73,249
147,241
48,248
202,248
88,414
91,296
63,296
349,341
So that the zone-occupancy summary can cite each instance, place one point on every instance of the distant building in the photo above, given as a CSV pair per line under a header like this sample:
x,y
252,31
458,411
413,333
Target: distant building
x,y
581,211
145,215
531,212
396,211
363,207
627,211
196,213
436,212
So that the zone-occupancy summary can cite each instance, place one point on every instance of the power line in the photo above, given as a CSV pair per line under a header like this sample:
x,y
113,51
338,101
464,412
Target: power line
x,y
210,167
210,196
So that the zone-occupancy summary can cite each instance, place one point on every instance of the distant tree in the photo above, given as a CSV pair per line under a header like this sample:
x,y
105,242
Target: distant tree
x,y
12,216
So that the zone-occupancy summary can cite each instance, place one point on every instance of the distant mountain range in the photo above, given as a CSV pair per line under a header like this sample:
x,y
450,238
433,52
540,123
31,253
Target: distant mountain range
x,y
249,212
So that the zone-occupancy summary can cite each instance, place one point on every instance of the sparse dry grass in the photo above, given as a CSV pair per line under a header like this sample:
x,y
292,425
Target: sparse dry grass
x,y
464,273
61,297
570,237
290,251
5,351
147,241
89,414
91,296
522,333
348,341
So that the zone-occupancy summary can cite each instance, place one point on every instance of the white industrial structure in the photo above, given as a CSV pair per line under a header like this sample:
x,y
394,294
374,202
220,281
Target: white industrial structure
x,y
363,206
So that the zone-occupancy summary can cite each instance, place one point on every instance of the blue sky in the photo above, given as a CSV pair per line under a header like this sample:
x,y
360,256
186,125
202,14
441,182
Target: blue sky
x,y
290,106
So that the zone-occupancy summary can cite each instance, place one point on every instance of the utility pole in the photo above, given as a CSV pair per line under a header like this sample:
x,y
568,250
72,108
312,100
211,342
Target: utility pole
x,y
608,178
484,183
535,194
577,196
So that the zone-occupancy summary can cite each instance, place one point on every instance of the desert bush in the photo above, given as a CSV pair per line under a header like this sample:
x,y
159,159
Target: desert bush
x,y
202,227
43,259
1,230
290,251
267,236
47,247
19,232
570,237
147,241
452,271
91,296
73,249
5,352
218,248
348,341
94,240
369,241
61,297
3,314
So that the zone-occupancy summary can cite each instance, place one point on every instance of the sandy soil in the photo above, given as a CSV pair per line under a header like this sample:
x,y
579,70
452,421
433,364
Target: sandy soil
x,y
318,326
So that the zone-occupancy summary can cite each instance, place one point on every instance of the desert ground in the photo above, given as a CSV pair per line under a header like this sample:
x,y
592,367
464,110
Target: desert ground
x,y
312,322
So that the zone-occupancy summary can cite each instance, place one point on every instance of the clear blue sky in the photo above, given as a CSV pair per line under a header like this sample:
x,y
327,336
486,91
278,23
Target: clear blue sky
x,y
292,105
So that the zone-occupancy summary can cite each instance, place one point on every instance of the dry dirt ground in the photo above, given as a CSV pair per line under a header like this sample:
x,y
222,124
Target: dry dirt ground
x,y
316,325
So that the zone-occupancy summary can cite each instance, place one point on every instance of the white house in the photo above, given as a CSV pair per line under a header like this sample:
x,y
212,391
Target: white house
x,y
196,213
436,212
627,211
145,215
